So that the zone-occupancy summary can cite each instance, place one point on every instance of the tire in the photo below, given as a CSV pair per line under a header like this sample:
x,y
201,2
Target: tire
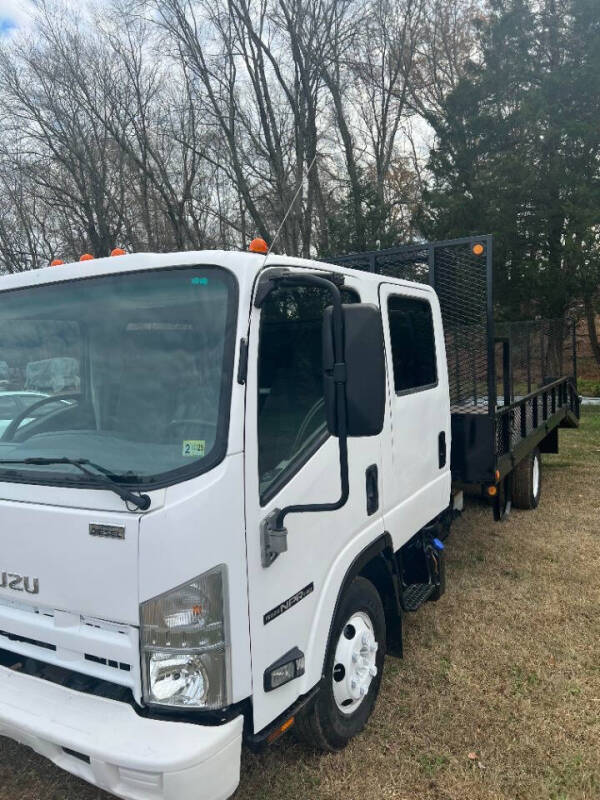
x,y
527,481
503,501
340,711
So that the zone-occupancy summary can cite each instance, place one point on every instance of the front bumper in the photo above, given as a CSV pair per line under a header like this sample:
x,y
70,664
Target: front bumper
x,y
115,749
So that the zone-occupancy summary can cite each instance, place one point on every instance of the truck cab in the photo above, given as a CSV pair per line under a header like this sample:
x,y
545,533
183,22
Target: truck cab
x,y
212,534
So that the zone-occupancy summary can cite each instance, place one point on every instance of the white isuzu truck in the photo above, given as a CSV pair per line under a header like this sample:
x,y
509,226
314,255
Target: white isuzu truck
x,y
213,532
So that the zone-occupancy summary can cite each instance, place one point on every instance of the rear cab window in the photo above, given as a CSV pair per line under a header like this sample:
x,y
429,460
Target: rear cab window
x,y
413,344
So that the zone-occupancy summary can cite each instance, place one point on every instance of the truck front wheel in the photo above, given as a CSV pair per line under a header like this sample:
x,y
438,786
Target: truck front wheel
x,y
352,674
527,481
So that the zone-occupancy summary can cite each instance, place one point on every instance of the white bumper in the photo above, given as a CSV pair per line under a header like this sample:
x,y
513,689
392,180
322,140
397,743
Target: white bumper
x,y
130,756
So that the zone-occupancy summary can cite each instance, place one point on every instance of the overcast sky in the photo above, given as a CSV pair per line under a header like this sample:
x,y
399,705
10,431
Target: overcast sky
x,y
13,14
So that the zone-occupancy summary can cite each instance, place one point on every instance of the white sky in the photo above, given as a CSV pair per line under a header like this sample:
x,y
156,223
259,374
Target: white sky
x,y
14,13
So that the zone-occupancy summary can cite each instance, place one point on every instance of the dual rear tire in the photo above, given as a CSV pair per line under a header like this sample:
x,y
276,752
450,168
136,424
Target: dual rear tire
x,y
521,488
527,481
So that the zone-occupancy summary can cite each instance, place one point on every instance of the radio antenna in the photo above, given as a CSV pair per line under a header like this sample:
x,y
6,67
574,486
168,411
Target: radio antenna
x,y
287,213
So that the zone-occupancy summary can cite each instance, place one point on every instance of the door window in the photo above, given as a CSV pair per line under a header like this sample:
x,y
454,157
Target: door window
x,y
413,343
291,408
8,407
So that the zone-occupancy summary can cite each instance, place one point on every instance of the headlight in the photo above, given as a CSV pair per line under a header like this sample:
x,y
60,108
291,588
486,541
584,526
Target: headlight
x,y
185,644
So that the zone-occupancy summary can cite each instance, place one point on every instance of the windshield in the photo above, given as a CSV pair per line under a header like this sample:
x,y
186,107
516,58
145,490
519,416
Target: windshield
x,y
130,371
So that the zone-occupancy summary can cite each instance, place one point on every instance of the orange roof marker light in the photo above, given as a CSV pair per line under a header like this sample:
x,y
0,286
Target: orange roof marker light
x,y
87,257
57,262
118,251
478,249
259,246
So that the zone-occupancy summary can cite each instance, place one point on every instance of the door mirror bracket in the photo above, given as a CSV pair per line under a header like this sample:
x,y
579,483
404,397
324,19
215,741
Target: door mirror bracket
x,y
273,540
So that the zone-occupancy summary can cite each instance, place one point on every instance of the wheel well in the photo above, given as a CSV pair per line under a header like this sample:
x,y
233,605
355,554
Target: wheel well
x,y
378,564
381,570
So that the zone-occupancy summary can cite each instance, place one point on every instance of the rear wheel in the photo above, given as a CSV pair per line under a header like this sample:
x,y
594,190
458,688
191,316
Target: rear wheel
x,y
527,481
352,674
503,499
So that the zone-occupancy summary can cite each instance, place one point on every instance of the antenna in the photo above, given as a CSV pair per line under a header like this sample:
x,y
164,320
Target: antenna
x,y
287,213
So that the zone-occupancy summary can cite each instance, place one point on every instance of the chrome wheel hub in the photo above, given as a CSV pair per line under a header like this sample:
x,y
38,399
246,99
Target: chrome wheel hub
x,y
354,663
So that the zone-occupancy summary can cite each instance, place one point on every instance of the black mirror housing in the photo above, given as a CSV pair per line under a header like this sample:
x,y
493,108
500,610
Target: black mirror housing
x,y
364,358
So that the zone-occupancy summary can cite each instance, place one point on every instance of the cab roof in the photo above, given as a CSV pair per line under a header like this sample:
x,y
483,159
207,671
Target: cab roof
x,y
244,265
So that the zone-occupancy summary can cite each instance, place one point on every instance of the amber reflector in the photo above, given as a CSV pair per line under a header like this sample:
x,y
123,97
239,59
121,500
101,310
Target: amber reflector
x,y
478,249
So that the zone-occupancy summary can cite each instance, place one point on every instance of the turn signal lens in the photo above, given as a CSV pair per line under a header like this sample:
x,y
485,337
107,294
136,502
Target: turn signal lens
x,y
281,730
285,669
492,491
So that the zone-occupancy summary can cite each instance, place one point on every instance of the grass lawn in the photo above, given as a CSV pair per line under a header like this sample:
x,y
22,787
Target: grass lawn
x,y
505,668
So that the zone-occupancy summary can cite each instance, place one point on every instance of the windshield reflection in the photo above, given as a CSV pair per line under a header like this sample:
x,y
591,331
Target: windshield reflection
x,y
130,371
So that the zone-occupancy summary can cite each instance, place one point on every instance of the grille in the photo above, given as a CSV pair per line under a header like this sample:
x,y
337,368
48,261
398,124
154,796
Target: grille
x,y
65,677
101,649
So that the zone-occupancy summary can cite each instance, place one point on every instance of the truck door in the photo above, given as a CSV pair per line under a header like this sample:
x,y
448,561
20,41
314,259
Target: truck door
x,y
416,468
291,459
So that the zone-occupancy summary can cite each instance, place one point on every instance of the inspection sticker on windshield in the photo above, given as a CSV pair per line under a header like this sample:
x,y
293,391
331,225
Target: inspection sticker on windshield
x,y
194,448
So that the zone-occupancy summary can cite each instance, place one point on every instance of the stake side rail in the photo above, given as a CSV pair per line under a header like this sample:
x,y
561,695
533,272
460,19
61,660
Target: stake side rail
x,y
533,420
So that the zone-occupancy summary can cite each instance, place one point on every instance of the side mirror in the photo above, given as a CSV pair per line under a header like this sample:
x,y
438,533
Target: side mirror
x,y
364,358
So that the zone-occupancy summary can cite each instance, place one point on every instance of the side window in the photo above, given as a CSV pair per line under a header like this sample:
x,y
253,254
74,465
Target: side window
x,y
413,343
291,409
8,407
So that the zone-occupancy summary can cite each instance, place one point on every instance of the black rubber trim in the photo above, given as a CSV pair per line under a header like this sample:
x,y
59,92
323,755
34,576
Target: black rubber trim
x,y
257,742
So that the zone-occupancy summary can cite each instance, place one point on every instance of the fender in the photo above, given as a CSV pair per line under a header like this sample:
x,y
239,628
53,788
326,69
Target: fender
x,y
375,561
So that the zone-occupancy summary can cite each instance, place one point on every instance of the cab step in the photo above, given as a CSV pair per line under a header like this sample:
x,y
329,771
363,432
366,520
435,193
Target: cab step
x,y
415,594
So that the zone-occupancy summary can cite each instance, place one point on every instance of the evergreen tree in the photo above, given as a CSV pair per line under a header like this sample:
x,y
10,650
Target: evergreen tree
x,y
517,154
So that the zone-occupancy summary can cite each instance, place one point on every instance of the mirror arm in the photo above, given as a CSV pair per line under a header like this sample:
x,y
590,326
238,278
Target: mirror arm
x,y
274,532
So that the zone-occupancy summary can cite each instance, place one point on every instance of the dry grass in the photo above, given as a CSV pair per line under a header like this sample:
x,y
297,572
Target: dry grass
x,y
506,666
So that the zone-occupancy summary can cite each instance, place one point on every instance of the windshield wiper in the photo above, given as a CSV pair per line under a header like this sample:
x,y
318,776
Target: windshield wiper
x,y
106,478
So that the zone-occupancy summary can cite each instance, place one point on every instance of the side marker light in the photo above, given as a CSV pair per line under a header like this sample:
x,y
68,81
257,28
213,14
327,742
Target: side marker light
x,y
259,246
285,669
280,730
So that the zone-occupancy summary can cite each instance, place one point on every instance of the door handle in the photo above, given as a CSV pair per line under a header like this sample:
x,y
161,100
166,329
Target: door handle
x,y
372,489
442,449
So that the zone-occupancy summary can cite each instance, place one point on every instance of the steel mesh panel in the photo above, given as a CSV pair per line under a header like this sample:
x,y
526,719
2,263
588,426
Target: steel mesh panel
x,y
410,265
460,281
541,351
516,425
461,286
501,444
529,420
